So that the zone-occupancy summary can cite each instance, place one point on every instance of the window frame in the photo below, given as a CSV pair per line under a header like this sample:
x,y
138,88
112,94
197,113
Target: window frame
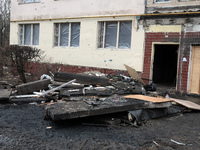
x,y
169,1
69,44
32,1
22,41
102,45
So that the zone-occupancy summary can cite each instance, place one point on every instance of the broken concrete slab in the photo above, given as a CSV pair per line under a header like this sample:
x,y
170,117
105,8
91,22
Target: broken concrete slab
x,y
80,78
5,94
34,86
70,110
26,100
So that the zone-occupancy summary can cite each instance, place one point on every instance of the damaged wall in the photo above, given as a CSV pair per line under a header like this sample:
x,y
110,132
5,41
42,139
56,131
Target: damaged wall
x,y
172,6
185,31
51,9
87,54
88,13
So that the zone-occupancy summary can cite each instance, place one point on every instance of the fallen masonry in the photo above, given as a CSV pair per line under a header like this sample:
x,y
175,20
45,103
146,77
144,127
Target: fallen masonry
x,y
93,106
74,96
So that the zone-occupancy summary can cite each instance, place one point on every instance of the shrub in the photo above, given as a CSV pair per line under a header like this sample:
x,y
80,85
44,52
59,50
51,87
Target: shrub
x,y
20,56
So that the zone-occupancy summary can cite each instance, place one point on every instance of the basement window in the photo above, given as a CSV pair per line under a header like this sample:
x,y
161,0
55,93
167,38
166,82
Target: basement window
x,y
115,34
29,34
67,34
28,1
162,1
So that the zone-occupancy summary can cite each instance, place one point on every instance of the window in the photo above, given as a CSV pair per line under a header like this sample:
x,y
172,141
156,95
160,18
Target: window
x,y
67,34
29,1
162,1
187,0
29,34
115,34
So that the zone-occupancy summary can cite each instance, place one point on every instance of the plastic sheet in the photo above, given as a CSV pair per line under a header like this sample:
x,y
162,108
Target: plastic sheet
x,y
162,0
64,34
27,1
61,34
75,34
125,34
36,34
145,114
111,34
27,34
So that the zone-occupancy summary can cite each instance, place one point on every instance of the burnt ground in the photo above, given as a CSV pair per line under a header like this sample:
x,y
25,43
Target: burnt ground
x,y
22,126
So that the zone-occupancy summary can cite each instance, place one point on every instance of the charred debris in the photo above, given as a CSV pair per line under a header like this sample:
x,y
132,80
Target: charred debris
x,y
101,99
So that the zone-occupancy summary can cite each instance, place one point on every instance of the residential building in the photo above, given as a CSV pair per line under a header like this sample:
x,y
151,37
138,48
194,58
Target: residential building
x,y
90,33
172,43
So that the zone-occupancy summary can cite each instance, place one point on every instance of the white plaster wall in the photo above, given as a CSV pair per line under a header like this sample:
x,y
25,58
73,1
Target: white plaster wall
x,y
49,9
87,54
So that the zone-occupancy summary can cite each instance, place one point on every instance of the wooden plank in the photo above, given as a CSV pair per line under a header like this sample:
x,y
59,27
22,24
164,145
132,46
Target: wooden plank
x,y
133,73
148,98
187,104
195,71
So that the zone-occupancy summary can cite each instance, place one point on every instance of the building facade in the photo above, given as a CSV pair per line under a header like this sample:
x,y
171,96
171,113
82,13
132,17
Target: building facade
x,y
172,40
99,34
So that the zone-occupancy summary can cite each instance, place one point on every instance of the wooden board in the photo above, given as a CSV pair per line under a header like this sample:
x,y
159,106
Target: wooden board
x,y
195,71
133,73
187,104
148,98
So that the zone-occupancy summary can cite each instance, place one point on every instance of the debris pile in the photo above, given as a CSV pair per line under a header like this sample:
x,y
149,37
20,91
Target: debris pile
x,y
70,96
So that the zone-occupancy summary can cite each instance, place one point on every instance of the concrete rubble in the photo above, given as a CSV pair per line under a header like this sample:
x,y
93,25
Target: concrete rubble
x,y
71,96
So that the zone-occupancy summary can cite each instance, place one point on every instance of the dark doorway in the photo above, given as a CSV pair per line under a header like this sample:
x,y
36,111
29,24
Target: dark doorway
x,y
165,64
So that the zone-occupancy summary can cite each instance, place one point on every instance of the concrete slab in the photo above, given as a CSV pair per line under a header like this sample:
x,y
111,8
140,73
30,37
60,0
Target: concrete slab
x,y
89,107
4,94
70,110
34,86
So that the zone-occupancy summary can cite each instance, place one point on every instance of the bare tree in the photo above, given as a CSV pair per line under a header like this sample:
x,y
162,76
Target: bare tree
x,y
4,29
5,22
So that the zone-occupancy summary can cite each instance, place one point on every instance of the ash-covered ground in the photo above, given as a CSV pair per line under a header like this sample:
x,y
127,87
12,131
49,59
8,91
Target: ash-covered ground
x,y
23,127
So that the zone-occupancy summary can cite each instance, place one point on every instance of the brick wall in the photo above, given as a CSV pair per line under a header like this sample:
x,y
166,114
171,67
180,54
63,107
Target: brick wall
x,y
186,39
37,69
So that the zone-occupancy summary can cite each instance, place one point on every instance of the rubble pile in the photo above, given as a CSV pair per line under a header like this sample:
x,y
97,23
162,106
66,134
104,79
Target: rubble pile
x,y
70,96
